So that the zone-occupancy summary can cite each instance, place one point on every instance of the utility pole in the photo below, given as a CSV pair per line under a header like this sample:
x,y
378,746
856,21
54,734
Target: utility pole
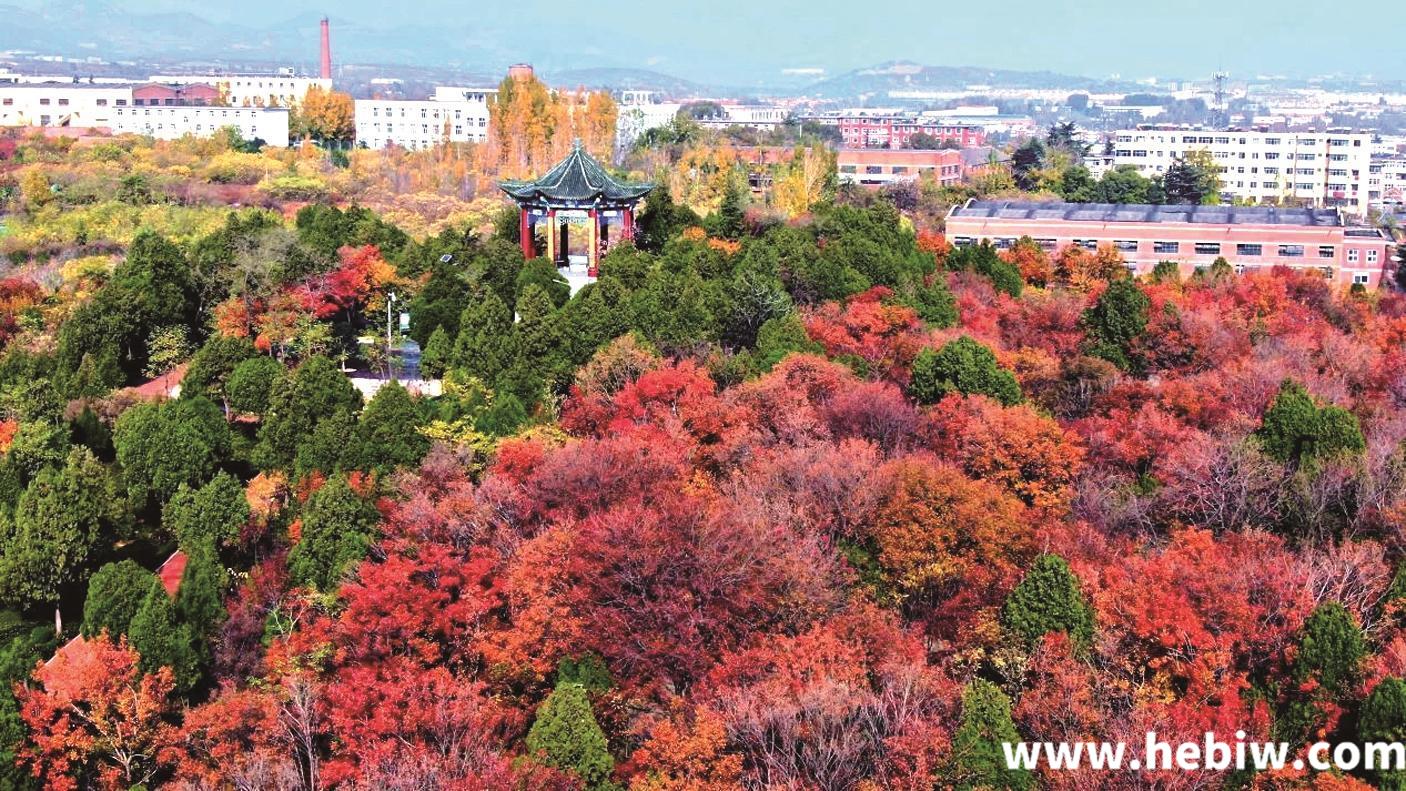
x,y
1222,110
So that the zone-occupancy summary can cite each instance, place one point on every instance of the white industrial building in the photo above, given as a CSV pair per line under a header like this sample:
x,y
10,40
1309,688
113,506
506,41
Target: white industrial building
x,y
84,105
1327,169
269,124
453,115
283,88
61,103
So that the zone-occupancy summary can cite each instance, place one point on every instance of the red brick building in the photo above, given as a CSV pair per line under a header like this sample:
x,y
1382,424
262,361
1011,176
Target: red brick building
x,y
874,167
159,95
892,131
1249,237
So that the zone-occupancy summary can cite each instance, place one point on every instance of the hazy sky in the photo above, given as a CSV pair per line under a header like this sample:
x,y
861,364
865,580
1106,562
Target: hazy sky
x,y
727,39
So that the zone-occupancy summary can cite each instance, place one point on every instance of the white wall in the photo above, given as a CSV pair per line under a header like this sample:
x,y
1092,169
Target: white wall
x,y
168,123
419,125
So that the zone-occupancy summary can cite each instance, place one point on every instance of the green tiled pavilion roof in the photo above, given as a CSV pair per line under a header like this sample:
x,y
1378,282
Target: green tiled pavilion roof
x,y
577,179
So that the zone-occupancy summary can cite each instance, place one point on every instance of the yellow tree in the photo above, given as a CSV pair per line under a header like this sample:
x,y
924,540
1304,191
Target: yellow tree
x,y
521,122
324,116
597,126
806,180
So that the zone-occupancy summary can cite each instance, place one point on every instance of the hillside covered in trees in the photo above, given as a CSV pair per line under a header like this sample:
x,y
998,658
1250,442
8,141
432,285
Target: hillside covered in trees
x,y
816,502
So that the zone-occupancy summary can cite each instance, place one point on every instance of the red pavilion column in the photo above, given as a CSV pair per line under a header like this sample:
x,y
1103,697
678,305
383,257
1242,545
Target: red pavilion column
x,y
627,225
524,230
593,243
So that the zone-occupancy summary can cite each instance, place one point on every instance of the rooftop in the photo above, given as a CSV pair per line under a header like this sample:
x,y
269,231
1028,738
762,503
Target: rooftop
x,y
1142,212
577,179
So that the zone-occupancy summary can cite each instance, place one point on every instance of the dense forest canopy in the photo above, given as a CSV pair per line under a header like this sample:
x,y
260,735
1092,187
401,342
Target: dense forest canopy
x,y
794,495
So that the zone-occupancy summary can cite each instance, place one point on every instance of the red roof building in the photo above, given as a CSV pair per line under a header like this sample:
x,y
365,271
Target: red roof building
x,y
1248,237
895,131
160,95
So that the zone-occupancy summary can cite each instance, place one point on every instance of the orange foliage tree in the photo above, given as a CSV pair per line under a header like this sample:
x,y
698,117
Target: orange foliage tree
x,y
94,715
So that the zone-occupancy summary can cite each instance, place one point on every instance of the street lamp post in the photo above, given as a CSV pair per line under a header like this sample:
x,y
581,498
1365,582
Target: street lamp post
x,y
390,360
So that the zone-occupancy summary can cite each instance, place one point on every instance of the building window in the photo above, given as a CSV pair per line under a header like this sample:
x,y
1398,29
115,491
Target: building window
x,y
1087,244
1046,244
1166,247
1207,248
44,102
1126,245
1249,249
1326,251
1291,251
1361,279
1352,255
1371,256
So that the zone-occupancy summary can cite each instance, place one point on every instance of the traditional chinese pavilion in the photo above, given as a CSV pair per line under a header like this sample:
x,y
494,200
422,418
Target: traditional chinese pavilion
x,y
576,193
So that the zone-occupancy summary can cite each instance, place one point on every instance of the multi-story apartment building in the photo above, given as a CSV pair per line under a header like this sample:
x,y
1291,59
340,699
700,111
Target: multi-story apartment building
x,y
283,88
1249,237
61,103
269,124
755,116
1386,181
457,115
895,131
1323,169
637,113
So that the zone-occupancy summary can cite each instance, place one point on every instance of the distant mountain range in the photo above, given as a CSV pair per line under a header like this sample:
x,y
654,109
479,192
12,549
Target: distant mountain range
x,y
878,81
477,48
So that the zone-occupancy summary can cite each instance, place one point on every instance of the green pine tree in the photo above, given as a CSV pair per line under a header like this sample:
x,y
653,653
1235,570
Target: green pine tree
x,y
962,366
200,599
1296,431
1331,650
539,332
333,447
782,336
1382,719
933,301
250,384
215,512
1049,600
566,736
487,345
161,640
1115,321
316,390
435,357
115,593
337,528
388,432
978,760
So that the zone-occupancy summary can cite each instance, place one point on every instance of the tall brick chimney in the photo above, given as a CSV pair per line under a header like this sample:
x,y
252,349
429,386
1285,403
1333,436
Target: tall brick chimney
x,y
326,72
